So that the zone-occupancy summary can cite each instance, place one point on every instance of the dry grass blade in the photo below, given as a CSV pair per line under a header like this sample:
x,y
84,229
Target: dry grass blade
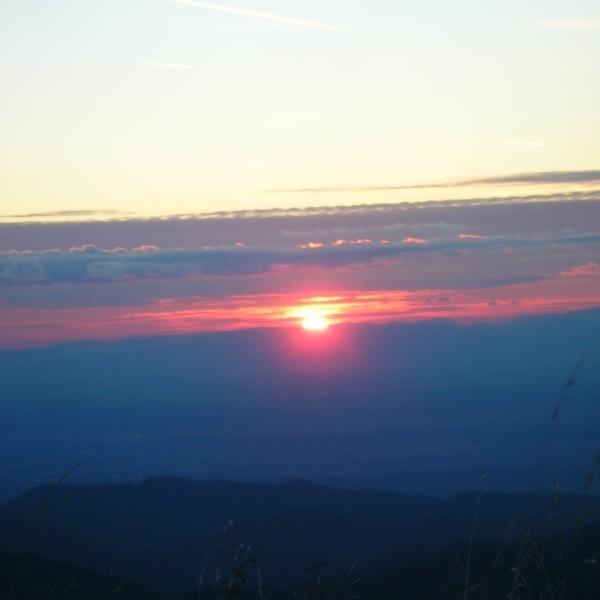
x,y
563,397
56,485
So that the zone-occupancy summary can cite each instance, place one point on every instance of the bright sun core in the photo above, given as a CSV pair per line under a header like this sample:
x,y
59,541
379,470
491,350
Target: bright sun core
x,y
315,323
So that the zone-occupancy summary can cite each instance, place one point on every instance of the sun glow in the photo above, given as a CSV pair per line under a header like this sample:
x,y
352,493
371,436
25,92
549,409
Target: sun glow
x,y
315,323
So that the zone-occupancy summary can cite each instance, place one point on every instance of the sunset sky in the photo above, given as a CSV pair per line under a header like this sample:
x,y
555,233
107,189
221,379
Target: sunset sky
x,y
170,166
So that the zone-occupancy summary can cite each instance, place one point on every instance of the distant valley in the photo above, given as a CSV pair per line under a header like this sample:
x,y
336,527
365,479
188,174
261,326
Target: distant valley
x,y
424,407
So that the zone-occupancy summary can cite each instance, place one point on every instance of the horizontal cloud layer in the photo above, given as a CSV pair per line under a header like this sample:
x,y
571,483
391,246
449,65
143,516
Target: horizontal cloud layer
x,y
91,264
507,216
484,259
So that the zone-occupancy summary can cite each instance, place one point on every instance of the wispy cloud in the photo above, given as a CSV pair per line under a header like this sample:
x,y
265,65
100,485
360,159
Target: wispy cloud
x,y
577,23
523,143
543,178
167,65
540,178
265,16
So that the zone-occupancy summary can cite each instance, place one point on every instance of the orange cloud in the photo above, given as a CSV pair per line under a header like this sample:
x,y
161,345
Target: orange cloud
x,y
311,245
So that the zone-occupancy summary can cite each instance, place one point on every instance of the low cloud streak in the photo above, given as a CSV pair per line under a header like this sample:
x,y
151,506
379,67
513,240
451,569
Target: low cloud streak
x,y
542,178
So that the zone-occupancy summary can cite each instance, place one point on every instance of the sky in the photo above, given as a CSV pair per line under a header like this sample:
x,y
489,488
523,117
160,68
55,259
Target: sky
x,y
172,166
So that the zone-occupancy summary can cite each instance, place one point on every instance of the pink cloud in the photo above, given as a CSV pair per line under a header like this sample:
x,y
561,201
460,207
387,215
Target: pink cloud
x,y
413,240
589,269
145,248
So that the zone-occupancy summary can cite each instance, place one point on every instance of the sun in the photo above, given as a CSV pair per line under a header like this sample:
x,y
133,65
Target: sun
x,y
315,323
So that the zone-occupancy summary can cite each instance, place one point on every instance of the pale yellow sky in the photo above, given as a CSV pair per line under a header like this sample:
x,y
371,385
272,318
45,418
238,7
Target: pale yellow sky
x,y
156,107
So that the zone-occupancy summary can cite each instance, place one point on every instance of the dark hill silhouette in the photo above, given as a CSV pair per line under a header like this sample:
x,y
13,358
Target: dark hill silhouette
x,y
559,566
26,576
163,532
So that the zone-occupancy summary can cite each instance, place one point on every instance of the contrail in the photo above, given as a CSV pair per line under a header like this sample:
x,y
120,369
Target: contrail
x,y
166,65
258,15
523,143
577,23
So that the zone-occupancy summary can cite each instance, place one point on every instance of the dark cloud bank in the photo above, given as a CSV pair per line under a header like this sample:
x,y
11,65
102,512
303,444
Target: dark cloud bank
x,y
91,264
255,243
275,228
